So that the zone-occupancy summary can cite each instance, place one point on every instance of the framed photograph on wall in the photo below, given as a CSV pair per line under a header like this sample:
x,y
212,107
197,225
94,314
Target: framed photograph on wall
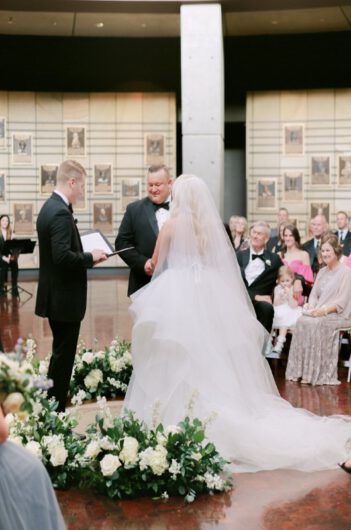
x,y
293,135
23,218
2,132
102,217
2,186
75,141
22,148
320,170
267,193
131,191
48,175
154,148
320,208
103,178
293,186
344,170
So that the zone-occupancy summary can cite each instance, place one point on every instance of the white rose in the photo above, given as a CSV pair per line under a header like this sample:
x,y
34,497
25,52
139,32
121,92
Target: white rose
x,y
154,458
127,357
116,364
213,482
106,444
174,468
58,455
109,464
129,453
93,378
172,429
88,357
93,449
34,448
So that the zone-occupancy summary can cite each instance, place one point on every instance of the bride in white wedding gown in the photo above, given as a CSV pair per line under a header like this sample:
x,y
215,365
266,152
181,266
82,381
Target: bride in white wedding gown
x,y
195,330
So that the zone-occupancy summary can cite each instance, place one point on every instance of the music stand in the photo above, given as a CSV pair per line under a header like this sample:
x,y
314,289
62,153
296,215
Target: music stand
x,y
15,247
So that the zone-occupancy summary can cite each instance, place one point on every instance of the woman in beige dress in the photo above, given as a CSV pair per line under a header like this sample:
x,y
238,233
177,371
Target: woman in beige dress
x,y
314,350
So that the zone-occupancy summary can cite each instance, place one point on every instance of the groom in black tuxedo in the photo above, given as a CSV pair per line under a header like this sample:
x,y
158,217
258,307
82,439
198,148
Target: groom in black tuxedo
x,y
140,226
62,288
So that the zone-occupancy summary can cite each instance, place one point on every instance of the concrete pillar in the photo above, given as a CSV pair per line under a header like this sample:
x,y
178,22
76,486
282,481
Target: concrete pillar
x,y
202,75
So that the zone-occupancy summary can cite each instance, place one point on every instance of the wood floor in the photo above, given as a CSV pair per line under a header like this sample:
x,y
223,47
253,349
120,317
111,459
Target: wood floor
x,y
280,500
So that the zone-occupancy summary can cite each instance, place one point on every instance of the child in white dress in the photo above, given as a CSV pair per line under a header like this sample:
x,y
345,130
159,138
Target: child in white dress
x,y
286,308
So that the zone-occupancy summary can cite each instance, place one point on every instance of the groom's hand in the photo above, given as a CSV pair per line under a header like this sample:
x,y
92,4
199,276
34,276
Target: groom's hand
x,y
149,267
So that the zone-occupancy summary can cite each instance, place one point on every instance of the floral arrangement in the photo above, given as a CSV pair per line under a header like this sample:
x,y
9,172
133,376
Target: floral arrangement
x,y
101,373
124,458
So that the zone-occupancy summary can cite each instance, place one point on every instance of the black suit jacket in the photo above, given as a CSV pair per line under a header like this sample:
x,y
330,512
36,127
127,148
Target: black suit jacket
x,y
265,282
346,244
313,254
138,229
62,288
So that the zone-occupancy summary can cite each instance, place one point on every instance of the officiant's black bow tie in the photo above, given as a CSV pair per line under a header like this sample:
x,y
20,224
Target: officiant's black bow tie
x,y
261,256
164,205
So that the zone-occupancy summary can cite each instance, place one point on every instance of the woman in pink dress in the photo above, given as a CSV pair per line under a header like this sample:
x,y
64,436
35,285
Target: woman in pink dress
x,y
295,258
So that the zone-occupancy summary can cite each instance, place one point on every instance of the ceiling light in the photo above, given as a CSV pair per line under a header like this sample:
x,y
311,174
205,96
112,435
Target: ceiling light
x,y
99,24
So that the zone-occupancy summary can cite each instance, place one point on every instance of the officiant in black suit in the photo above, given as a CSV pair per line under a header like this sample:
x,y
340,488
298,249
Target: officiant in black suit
x,y
62,288
140,226
343,233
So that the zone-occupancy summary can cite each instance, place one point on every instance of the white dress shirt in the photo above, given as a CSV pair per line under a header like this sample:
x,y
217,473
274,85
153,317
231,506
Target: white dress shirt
x,y
162,215
254,268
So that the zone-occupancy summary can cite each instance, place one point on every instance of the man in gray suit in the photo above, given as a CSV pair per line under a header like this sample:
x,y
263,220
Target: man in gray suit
x,y
140,226
62,288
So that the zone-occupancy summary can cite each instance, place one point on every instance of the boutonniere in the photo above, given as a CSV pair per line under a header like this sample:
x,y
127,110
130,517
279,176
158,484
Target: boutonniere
x,y
268,262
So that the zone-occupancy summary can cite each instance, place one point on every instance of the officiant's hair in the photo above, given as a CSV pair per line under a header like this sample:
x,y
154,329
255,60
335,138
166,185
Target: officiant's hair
x,y
70,169
157,168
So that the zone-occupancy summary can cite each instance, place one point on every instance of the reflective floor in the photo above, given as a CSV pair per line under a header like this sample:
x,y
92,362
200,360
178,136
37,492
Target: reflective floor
x,y
279,500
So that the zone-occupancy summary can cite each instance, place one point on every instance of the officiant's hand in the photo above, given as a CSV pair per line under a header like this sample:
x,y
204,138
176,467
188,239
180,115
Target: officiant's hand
x,y
98,256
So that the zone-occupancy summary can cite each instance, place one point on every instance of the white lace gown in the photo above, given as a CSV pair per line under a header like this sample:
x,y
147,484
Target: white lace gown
x,y
195,330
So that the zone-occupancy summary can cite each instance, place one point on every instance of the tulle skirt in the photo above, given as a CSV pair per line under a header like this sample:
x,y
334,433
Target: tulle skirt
x,y
27,498
191,336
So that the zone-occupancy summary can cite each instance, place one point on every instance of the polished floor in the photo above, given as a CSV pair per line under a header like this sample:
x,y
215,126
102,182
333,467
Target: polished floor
x,y
279,500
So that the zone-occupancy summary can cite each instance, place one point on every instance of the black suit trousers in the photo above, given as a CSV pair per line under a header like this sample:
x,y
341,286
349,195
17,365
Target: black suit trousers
x,y
265,314
65,338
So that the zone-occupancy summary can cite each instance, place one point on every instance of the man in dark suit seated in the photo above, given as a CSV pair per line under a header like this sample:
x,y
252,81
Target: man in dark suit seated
x,y
62,288
343,233
318,226
259,269
140,226
274,238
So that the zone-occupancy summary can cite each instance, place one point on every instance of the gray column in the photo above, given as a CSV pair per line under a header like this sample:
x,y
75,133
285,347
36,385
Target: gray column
x,y
202,78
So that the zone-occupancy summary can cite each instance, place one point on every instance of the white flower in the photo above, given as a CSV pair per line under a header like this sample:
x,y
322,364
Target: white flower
x,y
58,455
174,468
196,456
78,398
116,365
129,453
156,459
88,357
189,498
165,495
127,357
37,408
109,464
93,449
172,429
16,440
268,262
9,418
106,444
93,378
34,448
99,354
213,482
161,438
43,368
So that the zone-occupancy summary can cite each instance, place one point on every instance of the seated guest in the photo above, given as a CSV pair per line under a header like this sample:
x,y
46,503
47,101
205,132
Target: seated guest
x,y
259,268
314,349
276,243
238,228
8,261
27,498
318,227
297,259
343,233
283,217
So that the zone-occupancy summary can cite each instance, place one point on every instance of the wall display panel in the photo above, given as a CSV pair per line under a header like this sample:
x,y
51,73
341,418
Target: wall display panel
x,y
320,170
2,186
23,218
2,132
267,194
48,176
115,136
309,156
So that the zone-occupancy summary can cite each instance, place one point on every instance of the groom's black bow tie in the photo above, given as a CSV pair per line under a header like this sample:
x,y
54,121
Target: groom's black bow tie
x,y
70,208
254,256
164,205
